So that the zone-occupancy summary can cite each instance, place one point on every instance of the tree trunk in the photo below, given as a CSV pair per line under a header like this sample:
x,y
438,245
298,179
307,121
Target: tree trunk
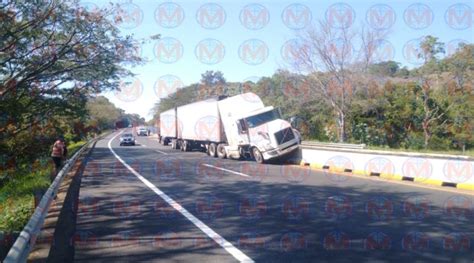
x,y
426,133
342,127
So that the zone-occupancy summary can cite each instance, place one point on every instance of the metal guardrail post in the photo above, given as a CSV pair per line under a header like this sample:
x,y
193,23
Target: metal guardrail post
x,y
21,248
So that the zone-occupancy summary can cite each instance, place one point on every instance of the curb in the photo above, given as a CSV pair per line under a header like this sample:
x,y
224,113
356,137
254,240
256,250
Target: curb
x,y
394,177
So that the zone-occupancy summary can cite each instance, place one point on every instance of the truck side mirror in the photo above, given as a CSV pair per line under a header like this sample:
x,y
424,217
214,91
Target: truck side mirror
x,y
292,121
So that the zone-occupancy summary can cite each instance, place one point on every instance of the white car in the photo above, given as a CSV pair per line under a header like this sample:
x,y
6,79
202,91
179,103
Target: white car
x,y
142,131
127,139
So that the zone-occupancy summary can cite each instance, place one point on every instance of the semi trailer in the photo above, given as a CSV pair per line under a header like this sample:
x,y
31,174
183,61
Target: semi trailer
x,y
229,127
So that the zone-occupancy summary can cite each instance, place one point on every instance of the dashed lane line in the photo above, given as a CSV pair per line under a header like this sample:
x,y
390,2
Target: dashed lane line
x,y
226,170
158,151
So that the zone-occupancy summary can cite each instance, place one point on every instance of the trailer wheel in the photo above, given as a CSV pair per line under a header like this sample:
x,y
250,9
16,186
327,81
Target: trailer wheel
x,y
221,151
174,144
185,146
212,150
257,155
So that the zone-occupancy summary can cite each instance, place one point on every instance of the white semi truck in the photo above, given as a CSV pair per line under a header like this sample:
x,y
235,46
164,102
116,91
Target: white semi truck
x,y
229,127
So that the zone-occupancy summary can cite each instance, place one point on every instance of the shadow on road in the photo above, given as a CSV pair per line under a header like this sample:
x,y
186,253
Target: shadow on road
x,y
281,214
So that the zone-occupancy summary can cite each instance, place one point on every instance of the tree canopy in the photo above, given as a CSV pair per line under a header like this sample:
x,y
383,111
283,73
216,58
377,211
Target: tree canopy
x,y
54,55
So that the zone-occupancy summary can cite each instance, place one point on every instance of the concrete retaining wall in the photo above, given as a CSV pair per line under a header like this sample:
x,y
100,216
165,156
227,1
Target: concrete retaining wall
x,y
454,171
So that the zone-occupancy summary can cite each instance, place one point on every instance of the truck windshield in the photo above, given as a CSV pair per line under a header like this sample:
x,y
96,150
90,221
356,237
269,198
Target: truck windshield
x,y
259,119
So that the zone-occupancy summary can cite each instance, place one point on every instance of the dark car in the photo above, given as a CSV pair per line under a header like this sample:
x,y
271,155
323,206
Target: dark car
x,y
127,139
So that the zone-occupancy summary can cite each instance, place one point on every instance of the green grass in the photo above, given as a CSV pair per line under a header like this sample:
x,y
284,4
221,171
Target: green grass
x,y
17,195
73,147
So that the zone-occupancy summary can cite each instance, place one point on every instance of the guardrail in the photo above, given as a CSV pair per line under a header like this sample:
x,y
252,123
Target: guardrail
x,y
27,238
311,144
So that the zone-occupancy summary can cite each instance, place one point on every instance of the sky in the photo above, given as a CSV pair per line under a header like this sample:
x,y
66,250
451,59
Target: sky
x,y
247,40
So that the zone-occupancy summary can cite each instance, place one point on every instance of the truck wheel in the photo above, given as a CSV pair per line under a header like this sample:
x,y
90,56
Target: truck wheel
x,y
221,151
257,155
212,150
165,141
174,144
185,146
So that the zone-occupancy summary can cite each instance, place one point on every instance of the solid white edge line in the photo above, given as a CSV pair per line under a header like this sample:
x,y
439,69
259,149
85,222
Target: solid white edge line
x,y
236,253
226,170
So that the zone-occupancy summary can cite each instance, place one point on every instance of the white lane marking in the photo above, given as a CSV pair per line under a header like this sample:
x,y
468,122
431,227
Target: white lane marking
x,y
236,253
143,145
226,170
158,151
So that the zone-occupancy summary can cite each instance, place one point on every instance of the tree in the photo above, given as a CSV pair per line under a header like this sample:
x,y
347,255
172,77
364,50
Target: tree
x,y
103,113
211,78
430,47
460,93
53,56
385,68
334,69
54,51
212,84
461,65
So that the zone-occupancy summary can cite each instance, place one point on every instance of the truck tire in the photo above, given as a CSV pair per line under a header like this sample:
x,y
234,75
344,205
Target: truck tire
x,y
257,155
165,142
174,144
185,146
212,150
221,151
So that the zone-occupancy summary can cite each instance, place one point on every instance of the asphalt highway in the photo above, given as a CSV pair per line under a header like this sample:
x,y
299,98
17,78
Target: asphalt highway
x,y
152,203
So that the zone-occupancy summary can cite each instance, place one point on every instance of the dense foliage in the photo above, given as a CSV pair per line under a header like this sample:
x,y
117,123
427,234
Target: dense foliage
x,y
430,107
55,56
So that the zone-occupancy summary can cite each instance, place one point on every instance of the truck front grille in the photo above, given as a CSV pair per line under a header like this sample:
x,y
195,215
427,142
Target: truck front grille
x,y
284,135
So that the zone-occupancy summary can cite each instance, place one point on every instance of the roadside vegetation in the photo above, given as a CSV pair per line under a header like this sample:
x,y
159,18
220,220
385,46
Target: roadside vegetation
x,y
55,58
335,97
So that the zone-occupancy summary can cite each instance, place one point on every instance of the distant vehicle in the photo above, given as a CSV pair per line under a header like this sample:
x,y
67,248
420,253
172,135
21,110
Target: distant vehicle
x,y
142,131
229,127
127,139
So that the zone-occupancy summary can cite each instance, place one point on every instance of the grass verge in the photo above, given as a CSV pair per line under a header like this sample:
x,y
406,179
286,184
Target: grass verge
x,y
17,195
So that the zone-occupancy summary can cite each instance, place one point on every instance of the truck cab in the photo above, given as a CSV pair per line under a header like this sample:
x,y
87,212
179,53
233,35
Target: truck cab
x,y
266,134
255,130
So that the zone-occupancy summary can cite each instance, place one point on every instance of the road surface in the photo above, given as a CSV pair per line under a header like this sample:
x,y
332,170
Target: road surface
x,y
166,205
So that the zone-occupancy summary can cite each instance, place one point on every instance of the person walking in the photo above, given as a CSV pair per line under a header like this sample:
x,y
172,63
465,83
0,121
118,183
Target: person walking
x,y
58,154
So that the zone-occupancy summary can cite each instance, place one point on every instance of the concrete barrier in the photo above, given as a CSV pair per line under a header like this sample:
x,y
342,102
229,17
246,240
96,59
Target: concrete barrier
x,y
434,169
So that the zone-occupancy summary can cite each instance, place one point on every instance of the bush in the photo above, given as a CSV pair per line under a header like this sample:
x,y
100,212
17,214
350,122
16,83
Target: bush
x,y
438,143
17,196
16,214
414,141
